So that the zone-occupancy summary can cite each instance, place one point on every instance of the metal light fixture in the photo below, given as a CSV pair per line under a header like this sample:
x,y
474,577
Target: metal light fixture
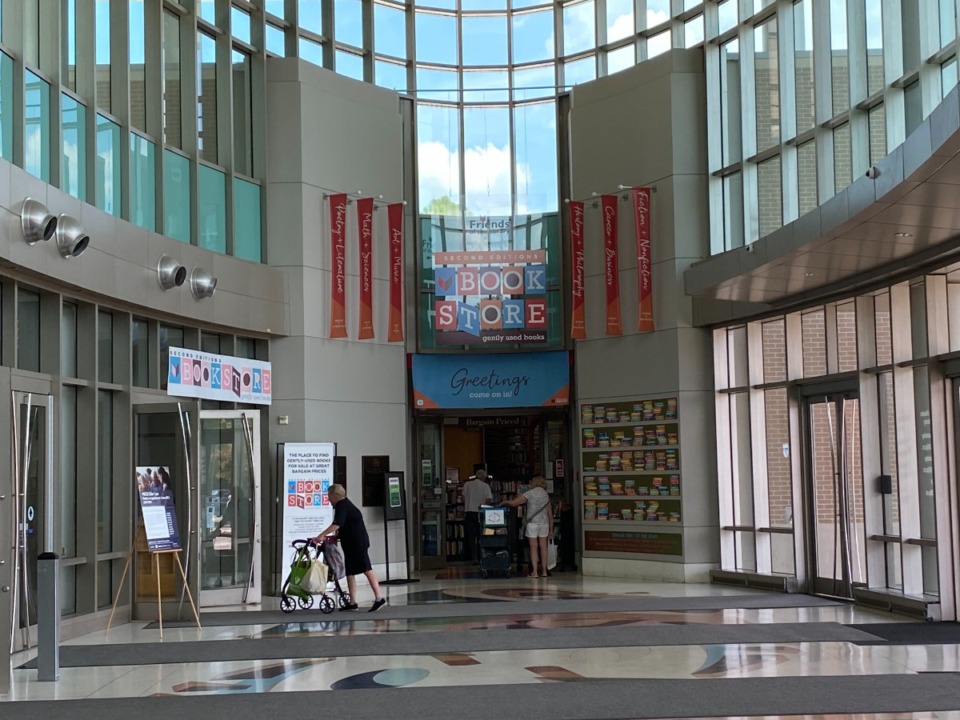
x,y
72,239
170,273
202,284
36,222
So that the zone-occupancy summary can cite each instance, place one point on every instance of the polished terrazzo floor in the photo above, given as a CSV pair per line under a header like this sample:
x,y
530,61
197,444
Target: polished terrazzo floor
x,y
499,667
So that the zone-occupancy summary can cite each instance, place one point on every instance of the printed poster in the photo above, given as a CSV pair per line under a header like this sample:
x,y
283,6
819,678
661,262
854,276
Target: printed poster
x,y
156,506
307,476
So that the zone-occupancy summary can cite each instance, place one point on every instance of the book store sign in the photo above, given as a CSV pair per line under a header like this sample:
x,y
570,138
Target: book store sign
x,y
191,373
540,379
651,543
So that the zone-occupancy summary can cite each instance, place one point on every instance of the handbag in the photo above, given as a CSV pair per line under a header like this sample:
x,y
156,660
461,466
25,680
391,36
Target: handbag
x,y
315,581
551,554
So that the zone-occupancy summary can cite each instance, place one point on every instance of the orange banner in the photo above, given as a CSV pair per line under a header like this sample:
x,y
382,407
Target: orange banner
x,y
338,266
641,215
611,263
578,327
365,236
395,238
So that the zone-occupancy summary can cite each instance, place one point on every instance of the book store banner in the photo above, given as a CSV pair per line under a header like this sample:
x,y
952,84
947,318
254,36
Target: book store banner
x,y
611,262
307,476
535,379
208,376
641,214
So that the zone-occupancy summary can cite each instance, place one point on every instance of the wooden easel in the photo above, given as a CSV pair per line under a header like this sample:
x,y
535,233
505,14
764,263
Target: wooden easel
x,y
156,565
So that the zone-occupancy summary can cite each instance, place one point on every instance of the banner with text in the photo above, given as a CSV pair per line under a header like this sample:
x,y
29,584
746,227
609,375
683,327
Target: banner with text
x,y
611,262
641,216
578,327
307,476
196,374
338,266
491,381
395,238
157,508
365,233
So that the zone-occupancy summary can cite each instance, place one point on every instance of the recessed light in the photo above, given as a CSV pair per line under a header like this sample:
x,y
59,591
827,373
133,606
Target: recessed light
x,y
809,274
903,234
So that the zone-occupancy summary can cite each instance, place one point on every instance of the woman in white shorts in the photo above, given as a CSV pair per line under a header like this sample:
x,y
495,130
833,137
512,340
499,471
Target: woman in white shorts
x,y
539,523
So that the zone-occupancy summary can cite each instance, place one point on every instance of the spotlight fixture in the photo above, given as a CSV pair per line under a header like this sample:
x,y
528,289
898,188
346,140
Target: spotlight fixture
x,y
36,222
202,284
170,273
72,239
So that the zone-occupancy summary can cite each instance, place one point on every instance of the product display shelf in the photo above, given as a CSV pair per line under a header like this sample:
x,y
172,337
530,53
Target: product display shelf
x,y
628,449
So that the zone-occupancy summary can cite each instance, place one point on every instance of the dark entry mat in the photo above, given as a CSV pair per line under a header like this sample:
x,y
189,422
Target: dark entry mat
x,y
910,633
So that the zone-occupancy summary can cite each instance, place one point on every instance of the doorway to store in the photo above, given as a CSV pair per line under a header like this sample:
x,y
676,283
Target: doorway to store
x,y
834,492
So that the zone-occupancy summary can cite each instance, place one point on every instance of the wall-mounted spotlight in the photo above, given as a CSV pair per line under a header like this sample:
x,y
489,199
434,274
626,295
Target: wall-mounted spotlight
x,y
36,222
72,239
170,273
202,284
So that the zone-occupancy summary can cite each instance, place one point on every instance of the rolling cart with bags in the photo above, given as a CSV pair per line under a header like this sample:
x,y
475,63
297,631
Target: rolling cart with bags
x,y
494,541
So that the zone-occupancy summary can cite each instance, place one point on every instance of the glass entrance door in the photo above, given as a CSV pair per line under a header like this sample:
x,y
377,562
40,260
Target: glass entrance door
x,y
834,482
33,506
228,500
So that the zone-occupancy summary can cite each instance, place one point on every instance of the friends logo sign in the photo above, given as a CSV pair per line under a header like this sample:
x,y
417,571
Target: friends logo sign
x,y
192,373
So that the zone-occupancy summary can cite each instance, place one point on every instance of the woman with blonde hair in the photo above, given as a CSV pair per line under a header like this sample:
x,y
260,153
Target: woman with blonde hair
x,y
538,525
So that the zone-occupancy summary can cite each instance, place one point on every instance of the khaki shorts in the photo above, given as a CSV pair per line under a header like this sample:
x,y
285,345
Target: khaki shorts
x,y
536,530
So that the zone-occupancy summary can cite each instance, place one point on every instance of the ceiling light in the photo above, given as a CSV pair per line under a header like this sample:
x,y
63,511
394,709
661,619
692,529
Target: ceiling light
x,y
36,222
809,274
170,273
903,234
202,284
72,239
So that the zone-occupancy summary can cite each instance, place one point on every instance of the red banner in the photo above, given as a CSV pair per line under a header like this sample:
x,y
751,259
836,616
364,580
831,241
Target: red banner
x,y
395,235
641,215
365,235
611,265
578,328
338,266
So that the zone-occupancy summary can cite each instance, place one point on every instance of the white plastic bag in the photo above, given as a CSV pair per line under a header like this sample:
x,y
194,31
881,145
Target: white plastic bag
x,y
315,581
551,554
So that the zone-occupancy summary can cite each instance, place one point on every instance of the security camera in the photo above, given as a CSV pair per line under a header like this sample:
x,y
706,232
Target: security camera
x,y
873,172
750,248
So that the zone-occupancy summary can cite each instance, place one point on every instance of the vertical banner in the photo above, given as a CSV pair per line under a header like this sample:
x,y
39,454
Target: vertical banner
x,y
307,476
395,239
365,233
641,215
611,265
578,328
338,266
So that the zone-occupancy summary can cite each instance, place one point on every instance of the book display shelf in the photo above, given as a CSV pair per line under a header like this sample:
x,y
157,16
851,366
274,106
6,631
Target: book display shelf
x,y
631,478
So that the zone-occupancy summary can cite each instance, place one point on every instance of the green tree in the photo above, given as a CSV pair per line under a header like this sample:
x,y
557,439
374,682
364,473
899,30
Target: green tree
x,y
441,206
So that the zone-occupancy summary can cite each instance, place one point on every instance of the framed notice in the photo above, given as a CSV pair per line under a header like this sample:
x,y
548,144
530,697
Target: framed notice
x,y
156,505
395,506
307,476
372,468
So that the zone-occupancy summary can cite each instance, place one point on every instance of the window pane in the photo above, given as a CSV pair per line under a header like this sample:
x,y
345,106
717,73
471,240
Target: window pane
x,y
68,340
105,347
579,71
242,113
874,46
767,84
311,16
349,28
73,161
6,106
838,53
846,337
619,19
436,38
579,28
389,31
207,97
36,141
912,106
658,44
437,85
779,477
658,12
350,65
535,82
742,461
733,211
842,161
883,329
138,88
878,134
727,15
171,80
485,86
70,57
693,31
769,199
213,209
68,471
773,335
141,353
276,42
207,9
169,337
927,493
533,37
143,182
487,158
803,63
813,326
210,343
246,221
536,150
948,76
731,124
621,59
311,51
178,204
240,24
438,159
104,471
390,75
807,176
108,166
102,53
948,22
28,330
